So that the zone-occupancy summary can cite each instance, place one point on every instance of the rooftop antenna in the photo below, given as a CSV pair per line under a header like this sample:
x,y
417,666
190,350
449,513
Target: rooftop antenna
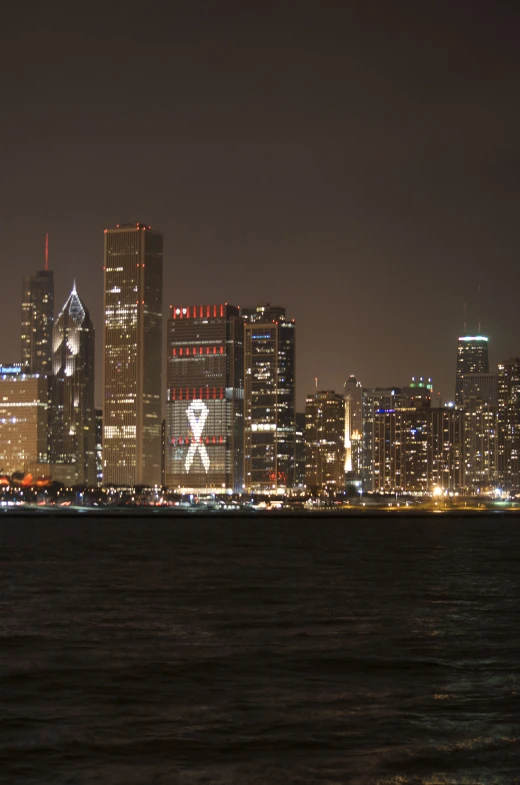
x,y
478,312
47,251
316,382
465,321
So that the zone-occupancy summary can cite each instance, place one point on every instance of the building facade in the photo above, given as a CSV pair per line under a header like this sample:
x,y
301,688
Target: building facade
x,y
472,357
23,422
446,462
72,423
99,446
480,411
132,344
269,400
375,400
508,394
205,399
325,442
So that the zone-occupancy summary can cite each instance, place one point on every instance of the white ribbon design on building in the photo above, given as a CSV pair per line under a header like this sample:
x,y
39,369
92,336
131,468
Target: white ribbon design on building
x,y
197,413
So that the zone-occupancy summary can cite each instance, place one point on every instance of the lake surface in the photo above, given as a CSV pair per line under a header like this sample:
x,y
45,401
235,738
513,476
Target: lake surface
x,y
210,650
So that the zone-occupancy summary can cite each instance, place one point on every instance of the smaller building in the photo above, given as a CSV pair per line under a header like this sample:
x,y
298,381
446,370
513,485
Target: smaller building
x,y
99,446
23,422
508,394
325,442
299,455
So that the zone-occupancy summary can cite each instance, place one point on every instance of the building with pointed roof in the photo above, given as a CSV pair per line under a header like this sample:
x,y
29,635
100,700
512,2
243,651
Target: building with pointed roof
x,y
72,434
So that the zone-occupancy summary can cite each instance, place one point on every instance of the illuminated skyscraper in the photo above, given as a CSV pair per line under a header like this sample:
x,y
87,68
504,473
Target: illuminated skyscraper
x,y
375,400
479,396
509,424
205,399
446,464
325,442
472,357
132,358
353,426
72,426
269,399
37,319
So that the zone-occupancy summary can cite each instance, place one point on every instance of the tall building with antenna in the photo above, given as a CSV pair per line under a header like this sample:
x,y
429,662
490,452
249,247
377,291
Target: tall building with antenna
x,y
38,319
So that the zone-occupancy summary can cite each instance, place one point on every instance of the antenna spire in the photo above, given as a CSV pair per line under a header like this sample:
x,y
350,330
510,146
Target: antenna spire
x,y
47,250
478,311
465,320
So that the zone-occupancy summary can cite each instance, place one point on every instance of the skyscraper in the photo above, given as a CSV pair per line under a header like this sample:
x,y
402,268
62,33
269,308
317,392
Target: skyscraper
x,y
325,441
205,399
353,426
37,319
509,424
269,399
374,400
479,396
446,456
72,427
132,356
472,357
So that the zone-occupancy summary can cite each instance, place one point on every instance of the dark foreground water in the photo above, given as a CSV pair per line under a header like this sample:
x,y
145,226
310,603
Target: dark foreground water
x,y
267,651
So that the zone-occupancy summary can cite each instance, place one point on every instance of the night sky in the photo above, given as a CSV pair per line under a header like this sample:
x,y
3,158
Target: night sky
x,y
356,162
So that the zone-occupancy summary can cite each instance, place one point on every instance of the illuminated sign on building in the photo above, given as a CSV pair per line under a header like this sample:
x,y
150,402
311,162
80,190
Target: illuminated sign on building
x,y
197,413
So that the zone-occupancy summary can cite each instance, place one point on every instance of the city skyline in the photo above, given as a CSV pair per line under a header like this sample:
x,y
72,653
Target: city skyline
x,y
361,173
445,390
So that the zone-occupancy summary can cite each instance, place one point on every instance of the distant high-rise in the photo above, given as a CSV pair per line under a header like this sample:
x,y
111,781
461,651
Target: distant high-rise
x,y
269,399
299,451
509,424
353,426
374,400
99,446
205,399
325,441
480,431
72,426
446,469
132,358
472,357
37,319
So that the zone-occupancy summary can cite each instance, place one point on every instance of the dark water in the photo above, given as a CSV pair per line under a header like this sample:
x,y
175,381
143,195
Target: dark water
x,y
232,651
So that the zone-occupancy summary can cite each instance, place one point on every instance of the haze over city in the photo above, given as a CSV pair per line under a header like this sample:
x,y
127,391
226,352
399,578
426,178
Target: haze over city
x,y
356,167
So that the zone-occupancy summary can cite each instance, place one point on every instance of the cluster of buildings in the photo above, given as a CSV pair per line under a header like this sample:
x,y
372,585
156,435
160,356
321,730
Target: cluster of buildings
x,y
224,418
